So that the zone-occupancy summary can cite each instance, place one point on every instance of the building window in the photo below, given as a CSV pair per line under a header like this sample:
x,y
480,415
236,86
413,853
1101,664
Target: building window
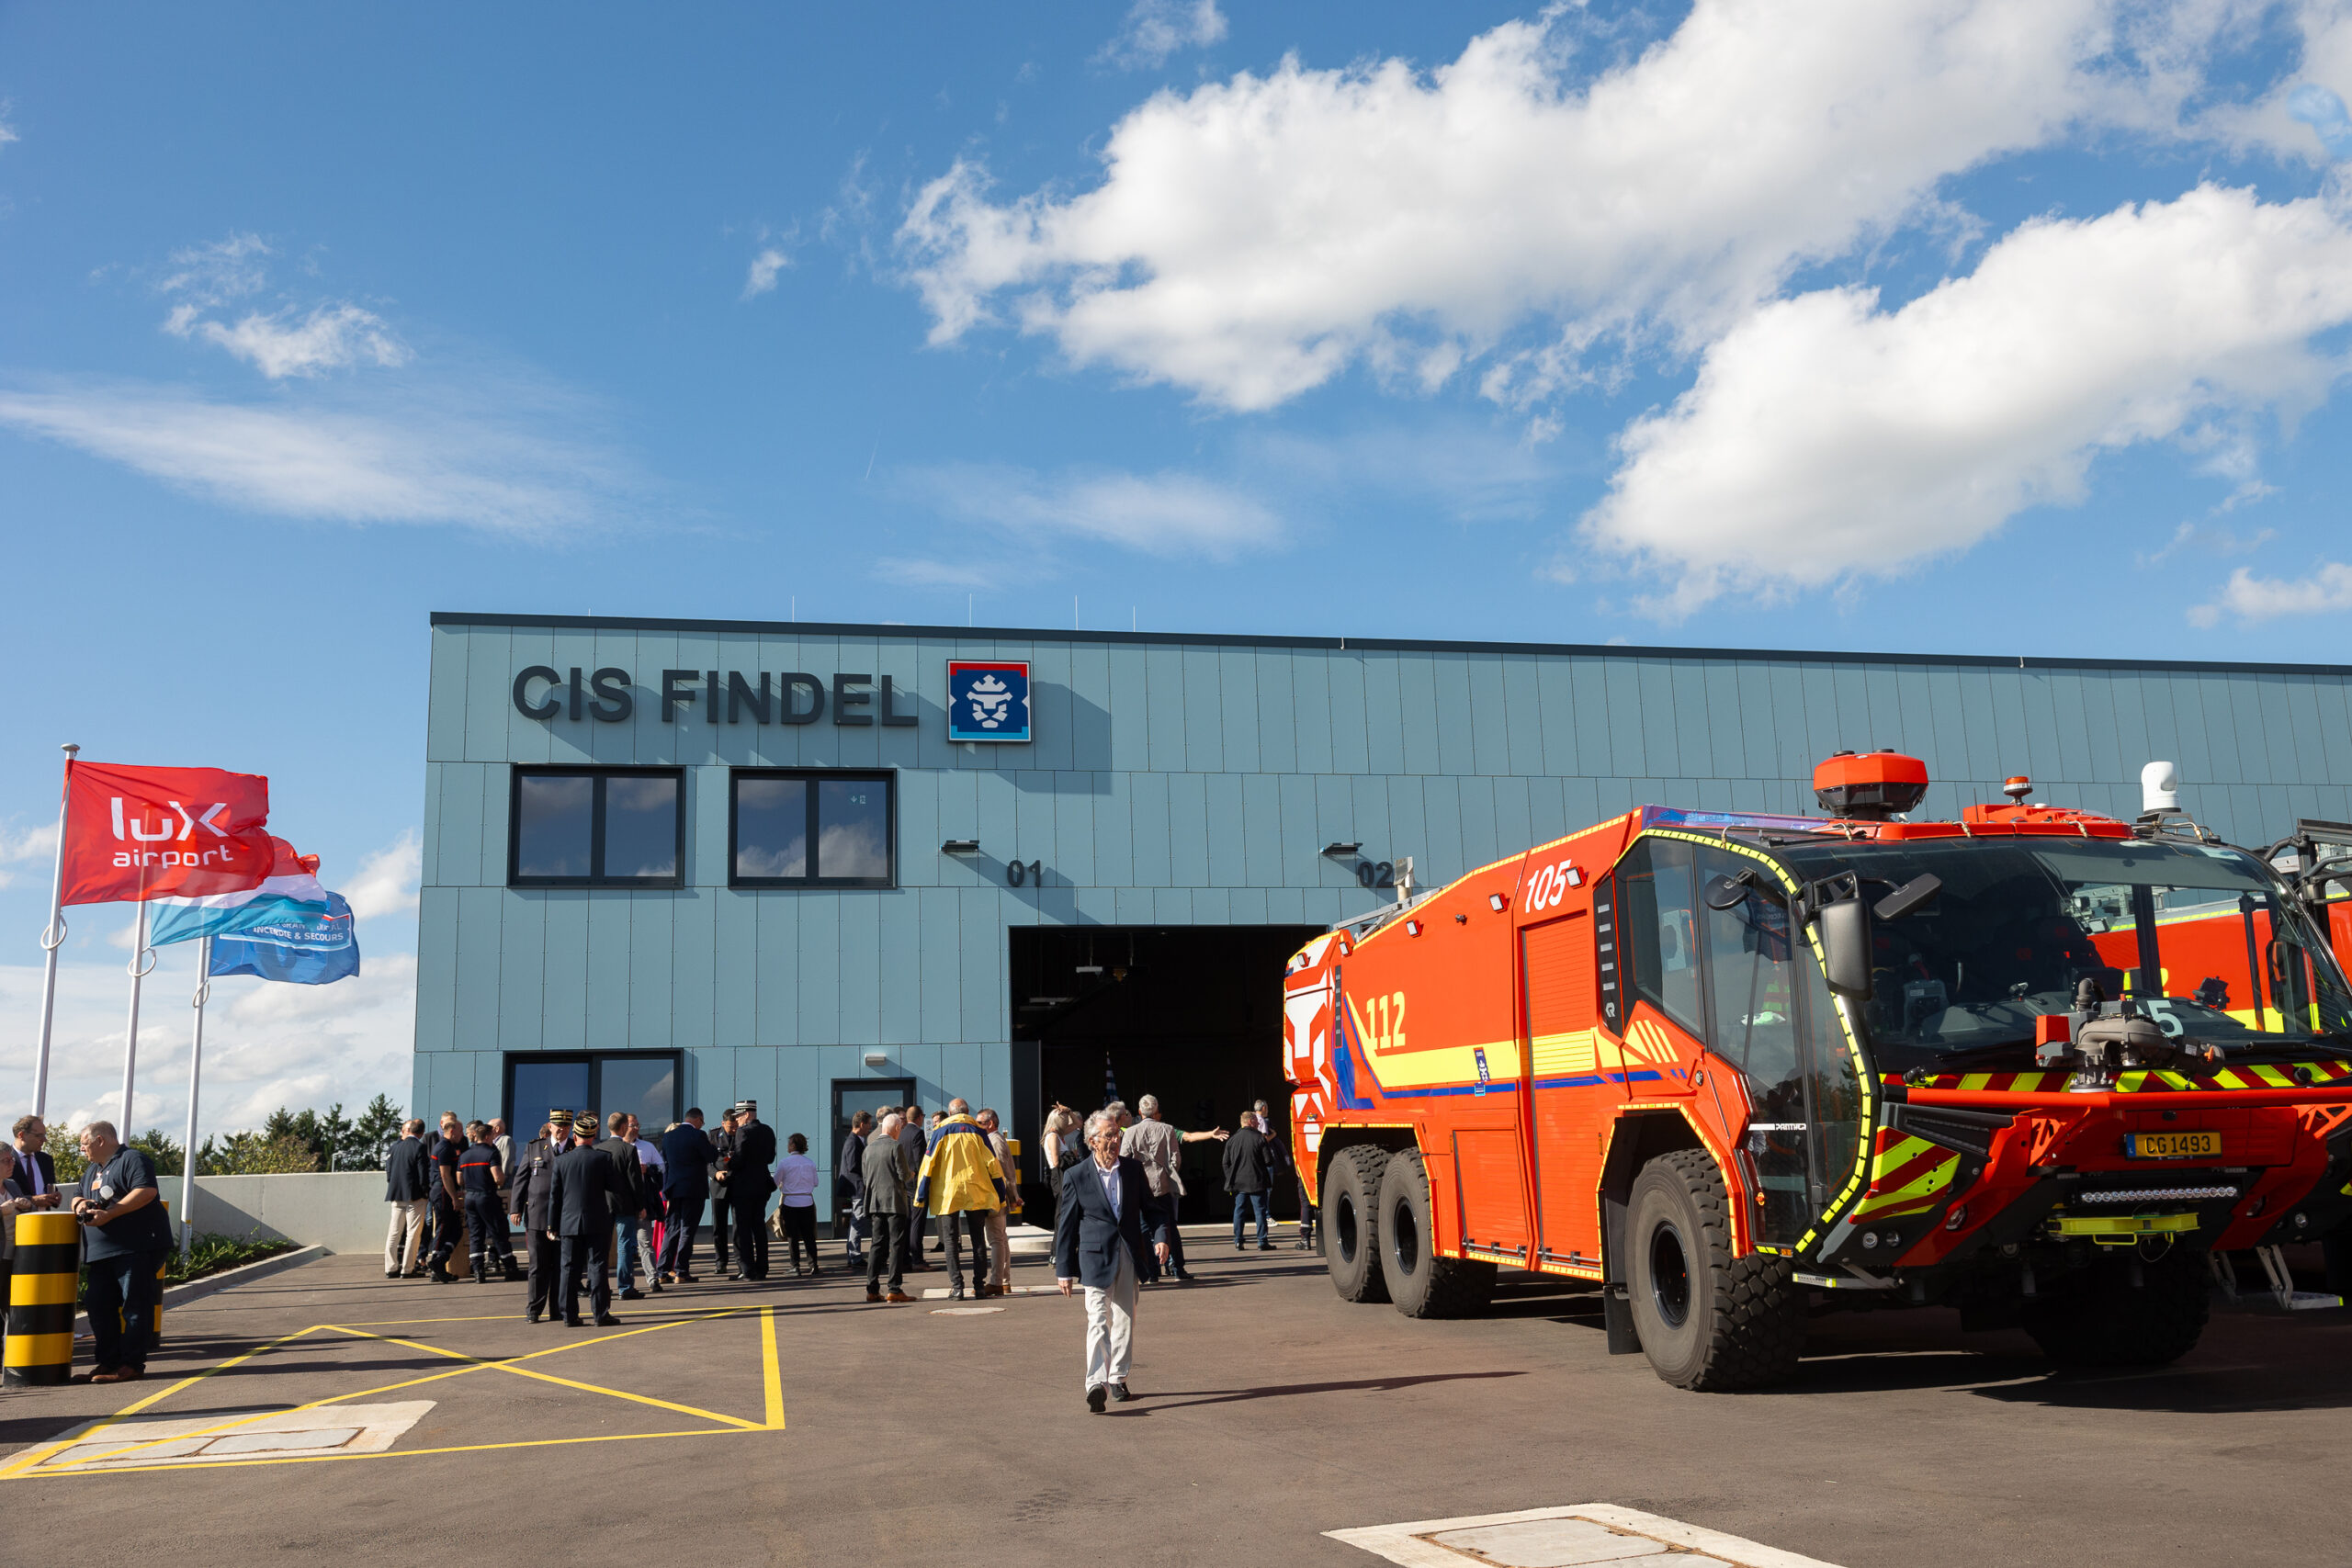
x,y
650,1084
596,827
812,829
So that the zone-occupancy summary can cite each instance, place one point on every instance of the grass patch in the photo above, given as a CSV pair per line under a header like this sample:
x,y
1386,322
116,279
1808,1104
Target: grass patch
x,y
217,1254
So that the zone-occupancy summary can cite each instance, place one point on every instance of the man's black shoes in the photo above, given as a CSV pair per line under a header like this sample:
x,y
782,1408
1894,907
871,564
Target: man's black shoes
x,y
632,1294
606,1320
1096,1397
1119,1391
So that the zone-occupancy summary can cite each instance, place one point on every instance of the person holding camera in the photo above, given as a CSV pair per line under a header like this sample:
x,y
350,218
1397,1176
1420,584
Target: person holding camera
x,y
123,1235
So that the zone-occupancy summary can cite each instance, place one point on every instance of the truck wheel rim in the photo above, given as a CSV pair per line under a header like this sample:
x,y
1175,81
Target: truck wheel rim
x,y
1344,1222
1669,1276
1405,1240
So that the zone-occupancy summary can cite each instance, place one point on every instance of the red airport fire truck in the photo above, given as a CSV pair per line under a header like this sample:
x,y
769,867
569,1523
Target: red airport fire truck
x,y
2051,1068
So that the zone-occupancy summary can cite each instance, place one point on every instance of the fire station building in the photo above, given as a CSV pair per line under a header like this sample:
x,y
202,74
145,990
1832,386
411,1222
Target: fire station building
x,y
826,867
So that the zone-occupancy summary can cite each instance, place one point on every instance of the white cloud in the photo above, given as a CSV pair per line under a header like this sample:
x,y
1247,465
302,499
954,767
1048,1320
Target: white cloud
x,y
265,1044
283,344
1251,239
24,848
386,881
479,460
1824,438
2326,591
765,266
212,275
1167,514
1156,28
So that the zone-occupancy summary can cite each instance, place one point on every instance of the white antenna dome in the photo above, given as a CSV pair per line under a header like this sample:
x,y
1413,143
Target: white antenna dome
x,y
2160,787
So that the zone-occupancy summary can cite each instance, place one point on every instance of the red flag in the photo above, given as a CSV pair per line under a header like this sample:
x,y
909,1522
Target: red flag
x,y
135,833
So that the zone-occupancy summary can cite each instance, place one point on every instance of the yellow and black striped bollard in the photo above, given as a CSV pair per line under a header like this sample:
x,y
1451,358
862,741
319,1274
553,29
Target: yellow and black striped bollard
x,y
40,1300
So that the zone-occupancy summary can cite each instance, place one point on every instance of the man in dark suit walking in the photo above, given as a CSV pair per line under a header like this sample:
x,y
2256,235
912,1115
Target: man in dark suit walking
x,y
1099,1243
686,1158
750,1183
533,1183
580,1209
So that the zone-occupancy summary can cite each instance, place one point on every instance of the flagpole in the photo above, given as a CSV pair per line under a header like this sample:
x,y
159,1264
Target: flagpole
x,y
142,961
52,937
195,1067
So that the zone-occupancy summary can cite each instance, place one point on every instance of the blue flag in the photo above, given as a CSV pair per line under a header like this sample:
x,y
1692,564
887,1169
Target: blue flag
x,y
303,946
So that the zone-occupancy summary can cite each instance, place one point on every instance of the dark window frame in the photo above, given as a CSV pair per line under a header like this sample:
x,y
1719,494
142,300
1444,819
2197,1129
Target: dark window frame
x,y
515,877
594,1062
886,777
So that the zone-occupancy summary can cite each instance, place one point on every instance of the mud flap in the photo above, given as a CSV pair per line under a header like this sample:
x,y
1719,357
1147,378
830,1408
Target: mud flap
x,y
1617,1313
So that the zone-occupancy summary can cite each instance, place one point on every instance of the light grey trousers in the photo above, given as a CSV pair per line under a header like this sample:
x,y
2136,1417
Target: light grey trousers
x,y
1110,1325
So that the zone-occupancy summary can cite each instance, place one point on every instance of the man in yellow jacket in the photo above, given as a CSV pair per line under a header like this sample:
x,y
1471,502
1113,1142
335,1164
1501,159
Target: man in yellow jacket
x,y
961,1176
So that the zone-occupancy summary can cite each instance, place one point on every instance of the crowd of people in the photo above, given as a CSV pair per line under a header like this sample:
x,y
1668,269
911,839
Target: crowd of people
x,y
606,1211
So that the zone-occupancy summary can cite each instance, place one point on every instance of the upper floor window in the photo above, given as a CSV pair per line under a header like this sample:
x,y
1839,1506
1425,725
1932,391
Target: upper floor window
x,y
596,827
812,829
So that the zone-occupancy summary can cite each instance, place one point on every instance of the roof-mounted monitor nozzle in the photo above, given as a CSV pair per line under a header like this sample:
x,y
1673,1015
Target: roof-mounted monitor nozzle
x,y
1872,787
2159,787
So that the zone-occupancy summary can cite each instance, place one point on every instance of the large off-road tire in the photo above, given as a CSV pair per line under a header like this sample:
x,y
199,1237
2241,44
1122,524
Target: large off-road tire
x,y
2099,1318
1707,1320
1351,1223
1421,1284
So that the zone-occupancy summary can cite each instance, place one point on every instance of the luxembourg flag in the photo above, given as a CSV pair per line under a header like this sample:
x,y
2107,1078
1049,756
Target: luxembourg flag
x,y
290,891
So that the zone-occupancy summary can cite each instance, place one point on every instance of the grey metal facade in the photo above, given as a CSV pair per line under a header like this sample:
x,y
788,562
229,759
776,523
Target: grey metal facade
x,y
1180,781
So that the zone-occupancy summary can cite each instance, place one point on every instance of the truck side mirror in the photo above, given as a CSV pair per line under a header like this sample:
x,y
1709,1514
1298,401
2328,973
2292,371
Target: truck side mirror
x,y
1846,947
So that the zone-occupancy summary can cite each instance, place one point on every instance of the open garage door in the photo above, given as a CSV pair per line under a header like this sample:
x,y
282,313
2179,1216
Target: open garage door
x,y
1189,1013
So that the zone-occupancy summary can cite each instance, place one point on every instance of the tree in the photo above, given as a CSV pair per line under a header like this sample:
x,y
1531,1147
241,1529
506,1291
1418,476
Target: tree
x,y
160,1149
372,1137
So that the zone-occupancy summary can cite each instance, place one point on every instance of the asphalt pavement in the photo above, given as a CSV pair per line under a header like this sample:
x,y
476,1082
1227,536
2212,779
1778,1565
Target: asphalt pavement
x,y
328,1413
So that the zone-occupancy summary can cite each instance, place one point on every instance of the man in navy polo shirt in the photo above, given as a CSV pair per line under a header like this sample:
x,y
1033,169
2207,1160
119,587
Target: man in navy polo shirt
x,y
123,1235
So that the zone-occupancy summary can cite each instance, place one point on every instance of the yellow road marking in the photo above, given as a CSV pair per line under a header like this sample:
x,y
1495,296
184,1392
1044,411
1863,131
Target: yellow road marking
x,y
771,1365
400,1453
474,1364
39,1455
550,1377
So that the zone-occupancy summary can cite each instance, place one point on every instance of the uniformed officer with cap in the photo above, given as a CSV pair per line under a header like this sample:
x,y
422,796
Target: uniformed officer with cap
x,y
750,1184
534,1176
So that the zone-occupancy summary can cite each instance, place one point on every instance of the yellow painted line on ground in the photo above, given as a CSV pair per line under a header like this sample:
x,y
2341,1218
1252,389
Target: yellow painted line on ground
x,y
396,1453
550,1377
404,1322
36,1456
473,1365
773,1367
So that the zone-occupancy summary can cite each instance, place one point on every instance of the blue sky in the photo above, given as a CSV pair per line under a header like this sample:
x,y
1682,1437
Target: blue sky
x,y
1984,325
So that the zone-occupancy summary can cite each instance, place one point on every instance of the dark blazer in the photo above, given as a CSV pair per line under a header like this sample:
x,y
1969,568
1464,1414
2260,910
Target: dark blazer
x,y
582,1196
754,1174
629,1198
686,1158
534,1178
1248,1167
408,1172
852,1173
1086,1236
48,1170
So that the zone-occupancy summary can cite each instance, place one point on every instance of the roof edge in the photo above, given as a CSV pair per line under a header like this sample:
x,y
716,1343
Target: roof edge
x,y
1366,644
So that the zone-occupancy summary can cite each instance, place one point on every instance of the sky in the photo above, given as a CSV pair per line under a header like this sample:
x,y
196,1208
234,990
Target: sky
x,y
1990,326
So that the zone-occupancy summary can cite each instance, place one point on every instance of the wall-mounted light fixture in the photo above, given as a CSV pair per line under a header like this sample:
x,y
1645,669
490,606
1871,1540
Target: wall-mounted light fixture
x,y
1339,849
1498,903
877,1058
960,847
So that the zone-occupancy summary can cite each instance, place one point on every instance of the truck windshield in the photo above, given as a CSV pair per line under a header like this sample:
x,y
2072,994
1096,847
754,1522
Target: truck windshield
x,y
2205,938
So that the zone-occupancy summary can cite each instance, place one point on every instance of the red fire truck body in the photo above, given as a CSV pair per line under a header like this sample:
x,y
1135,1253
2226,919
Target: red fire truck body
x,y
1734,1068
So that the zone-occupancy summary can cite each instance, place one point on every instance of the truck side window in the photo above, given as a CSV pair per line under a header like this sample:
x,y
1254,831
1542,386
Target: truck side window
x,y
1661,933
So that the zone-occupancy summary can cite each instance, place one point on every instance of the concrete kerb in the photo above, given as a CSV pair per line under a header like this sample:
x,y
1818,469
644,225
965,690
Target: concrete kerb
x,y
245,1274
